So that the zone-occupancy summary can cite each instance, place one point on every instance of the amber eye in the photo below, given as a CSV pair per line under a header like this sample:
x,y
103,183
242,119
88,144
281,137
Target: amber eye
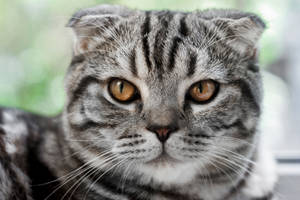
x,y
203,91
122,90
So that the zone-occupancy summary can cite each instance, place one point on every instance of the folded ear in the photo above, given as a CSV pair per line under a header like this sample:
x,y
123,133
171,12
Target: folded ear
x,y
242,30
88,25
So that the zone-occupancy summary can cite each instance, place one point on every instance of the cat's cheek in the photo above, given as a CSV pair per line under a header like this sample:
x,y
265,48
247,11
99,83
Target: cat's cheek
x,y
142,152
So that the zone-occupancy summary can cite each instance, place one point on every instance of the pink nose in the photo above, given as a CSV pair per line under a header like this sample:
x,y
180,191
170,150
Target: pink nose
x,y
162,133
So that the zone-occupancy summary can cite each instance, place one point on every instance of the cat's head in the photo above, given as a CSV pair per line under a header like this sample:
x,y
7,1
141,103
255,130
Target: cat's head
x,y
163,93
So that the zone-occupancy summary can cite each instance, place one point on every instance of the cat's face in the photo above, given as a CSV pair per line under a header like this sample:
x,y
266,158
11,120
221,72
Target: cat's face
x,y
163,92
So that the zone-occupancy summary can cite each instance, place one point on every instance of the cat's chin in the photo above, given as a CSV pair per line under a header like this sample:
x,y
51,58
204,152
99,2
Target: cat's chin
x,y
167,170
163,159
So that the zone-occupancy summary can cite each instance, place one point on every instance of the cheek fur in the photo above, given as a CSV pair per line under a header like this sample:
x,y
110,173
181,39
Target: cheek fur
x,y
139,146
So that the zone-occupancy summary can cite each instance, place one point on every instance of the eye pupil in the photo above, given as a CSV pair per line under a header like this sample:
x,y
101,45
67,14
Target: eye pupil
x,y
121,86
200,88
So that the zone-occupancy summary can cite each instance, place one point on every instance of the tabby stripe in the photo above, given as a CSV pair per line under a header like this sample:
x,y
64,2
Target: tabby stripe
x,y
253,66
235,189
133,191
145,33
132,58
220,177
164,18
19,190
173,52
158,53
1,116
99,196
200,135
212,37
77,60
223,26
80,162
2,132
238,123
242,182
207,33
269,196
243,132
80,159
86,169
112,107
183,29
90,124
249,94
39,174
111,183
84,83
192,64
243,149
173,195
225,43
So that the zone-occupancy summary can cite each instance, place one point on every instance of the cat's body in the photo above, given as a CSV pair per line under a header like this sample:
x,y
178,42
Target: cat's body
x,y
163,144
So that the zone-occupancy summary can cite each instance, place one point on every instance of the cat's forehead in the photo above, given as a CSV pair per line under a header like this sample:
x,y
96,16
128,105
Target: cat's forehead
x,y
165,46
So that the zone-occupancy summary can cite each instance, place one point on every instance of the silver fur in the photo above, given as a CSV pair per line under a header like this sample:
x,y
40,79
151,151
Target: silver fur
x,y
215,151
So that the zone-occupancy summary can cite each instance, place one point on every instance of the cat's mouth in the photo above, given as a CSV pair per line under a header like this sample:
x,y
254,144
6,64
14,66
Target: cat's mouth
x,y
163,159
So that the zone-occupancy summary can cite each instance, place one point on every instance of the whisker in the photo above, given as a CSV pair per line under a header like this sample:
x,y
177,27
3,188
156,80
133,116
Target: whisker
x,y
237,140
126,174
221,156
78,182
86,148
239,156
227,165
90,172
222,170
59,178
112,167
209,177
69,175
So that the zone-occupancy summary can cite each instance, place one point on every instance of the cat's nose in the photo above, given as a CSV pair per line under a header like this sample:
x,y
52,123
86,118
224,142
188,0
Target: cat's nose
x,y
162,132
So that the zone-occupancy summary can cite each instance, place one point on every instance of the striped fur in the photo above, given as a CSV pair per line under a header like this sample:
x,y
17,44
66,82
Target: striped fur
x,y
102,149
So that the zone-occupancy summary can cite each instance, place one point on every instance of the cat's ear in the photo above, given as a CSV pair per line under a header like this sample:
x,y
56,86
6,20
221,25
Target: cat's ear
x,y
89,23
242,33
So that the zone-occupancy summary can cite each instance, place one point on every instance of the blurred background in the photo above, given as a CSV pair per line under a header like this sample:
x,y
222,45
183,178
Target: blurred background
x,y
35,51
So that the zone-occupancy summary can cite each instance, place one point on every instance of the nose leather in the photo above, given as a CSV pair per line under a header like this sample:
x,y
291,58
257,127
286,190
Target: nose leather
x,y
162,133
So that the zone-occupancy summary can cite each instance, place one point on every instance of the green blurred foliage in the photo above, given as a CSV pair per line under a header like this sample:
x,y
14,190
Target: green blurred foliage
x,y
35,46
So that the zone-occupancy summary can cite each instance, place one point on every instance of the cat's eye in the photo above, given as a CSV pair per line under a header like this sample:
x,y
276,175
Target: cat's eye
x,y
203,91
122,90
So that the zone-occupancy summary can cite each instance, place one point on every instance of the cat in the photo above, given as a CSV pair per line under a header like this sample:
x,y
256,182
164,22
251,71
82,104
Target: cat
x,y
161,105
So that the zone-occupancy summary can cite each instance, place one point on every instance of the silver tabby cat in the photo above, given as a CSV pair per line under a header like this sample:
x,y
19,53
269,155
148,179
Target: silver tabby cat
x,y
161,105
